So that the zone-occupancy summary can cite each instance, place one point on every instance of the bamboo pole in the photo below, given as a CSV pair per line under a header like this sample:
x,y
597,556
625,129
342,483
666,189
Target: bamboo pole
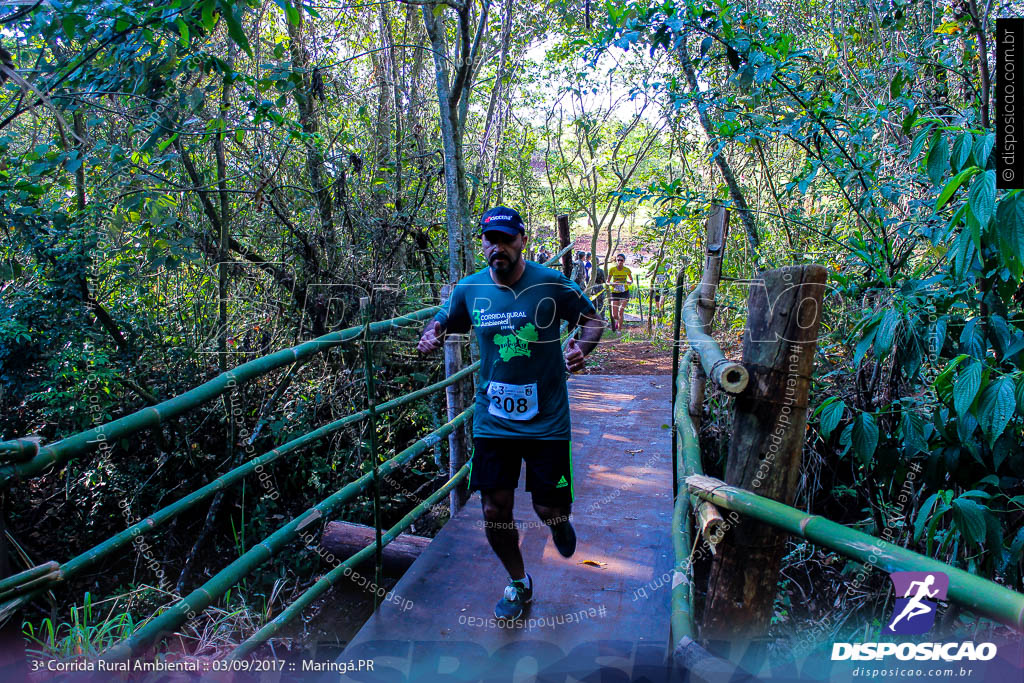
x,y
977,594
202,597
710,523
677,321
687,655
716,229
371,407
729,375
94,554
330,578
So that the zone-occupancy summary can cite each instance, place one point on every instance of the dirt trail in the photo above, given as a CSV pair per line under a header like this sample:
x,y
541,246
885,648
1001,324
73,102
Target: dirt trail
x,y
616,355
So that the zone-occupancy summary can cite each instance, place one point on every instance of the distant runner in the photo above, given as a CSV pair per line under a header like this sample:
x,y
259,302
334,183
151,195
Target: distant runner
x,y
522,402
620,278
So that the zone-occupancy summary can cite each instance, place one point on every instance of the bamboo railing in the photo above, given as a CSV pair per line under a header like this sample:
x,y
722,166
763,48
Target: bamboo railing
x,y
19,584
202,597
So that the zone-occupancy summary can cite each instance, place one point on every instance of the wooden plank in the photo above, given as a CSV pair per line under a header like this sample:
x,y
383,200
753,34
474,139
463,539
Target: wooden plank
x,y
345,539
622,513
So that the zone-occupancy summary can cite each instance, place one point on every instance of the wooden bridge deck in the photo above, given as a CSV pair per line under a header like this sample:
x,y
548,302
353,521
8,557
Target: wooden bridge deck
x,y
589,611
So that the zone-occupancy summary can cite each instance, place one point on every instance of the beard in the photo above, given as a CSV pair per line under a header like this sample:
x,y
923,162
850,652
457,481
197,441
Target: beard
x,y
503,265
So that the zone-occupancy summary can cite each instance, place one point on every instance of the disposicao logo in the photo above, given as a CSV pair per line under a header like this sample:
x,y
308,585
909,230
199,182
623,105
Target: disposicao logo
x,y
914,612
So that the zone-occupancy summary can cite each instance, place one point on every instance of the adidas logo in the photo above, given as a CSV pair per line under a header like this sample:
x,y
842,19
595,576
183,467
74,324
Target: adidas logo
x,y
561,482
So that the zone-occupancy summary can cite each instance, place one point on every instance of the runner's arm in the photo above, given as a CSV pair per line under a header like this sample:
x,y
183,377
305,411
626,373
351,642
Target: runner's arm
x,y
591,329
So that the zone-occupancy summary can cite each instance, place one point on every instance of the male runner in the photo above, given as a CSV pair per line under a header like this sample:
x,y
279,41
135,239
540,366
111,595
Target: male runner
x,y
522,402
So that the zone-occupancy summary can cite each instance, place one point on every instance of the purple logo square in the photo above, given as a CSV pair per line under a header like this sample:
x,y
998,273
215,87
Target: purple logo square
x,y
916,596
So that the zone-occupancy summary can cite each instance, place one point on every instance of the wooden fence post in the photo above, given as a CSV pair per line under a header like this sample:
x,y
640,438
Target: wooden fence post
x,y
453,393
769,420
717,229
562,221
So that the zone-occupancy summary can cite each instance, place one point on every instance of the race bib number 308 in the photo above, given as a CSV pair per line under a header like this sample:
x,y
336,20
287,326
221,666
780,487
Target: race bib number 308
x,y
512,401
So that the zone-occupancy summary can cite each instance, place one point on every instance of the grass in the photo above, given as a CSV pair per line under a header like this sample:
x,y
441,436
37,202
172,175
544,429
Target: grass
x,y
88,632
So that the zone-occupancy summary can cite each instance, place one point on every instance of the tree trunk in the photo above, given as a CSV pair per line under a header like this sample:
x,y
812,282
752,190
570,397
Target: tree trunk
x,y
562,224
738,199
305,99
769,420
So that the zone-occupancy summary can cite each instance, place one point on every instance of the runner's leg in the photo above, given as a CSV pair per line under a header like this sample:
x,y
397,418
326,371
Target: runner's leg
x,y
501,531
551,514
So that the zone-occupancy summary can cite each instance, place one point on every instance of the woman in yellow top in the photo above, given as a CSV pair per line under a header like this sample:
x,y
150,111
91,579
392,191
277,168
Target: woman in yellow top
x,y
620,277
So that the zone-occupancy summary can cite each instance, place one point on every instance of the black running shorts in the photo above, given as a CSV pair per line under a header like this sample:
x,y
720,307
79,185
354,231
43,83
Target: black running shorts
x,y
495,464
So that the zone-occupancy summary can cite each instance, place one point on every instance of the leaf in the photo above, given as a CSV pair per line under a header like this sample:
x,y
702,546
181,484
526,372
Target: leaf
x,y
1010,229
970,518
953,184
166,143
965,388
982,149
961,151
235,30
865,342
938,158
887,329
896,85
1016,547
831,415
865,437
182,32
292,13
922,515
1019,393
705,45
982,196
915,147
912,432
938,336
209,21
996,408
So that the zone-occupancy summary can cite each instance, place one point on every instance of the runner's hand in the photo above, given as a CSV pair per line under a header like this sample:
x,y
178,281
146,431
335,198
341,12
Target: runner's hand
x,y
432,338
574,356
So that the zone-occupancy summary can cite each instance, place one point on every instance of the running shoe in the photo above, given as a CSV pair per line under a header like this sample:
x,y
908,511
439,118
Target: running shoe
x,y
516,596
564,537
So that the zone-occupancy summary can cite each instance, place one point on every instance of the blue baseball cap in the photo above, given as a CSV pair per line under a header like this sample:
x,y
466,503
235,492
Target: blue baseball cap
x,y
502,219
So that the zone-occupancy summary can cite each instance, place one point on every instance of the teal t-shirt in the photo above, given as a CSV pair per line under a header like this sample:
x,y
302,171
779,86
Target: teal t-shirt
x,y
521,392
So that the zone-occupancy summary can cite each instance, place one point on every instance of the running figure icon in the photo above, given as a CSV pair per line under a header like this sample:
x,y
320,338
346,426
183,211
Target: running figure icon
x,y
915,606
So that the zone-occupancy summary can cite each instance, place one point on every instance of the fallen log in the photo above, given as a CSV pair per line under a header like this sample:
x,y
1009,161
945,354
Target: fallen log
x,y
344,539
